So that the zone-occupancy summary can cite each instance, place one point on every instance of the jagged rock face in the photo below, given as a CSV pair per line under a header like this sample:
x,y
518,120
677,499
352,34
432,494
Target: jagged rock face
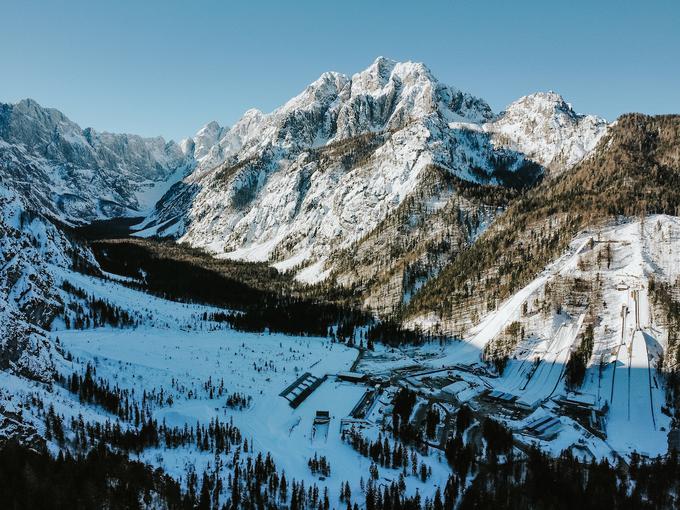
x,y
78,175
322,171
437,220
13,427
29,246
545,128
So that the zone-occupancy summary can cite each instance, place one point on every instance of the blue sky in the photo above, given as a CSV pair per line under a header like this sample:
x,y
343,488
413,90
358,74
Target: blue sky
x,y
168,67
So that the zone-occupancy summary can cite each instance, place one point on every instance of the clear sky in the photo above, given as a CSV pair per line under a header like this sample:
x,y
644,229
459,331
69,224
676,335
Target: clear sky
x,y
168,67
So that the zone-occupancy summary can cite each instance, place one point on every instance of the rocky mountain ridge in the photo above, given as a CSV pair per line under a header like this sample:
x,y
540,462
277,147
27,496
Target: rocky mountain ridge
x,y
388,159
79,175
306,185
314,177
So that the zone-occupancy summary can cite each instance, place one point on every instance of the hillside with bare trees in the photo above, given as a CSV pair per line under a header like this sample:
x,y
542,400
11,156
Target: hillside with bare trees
x,y
635,170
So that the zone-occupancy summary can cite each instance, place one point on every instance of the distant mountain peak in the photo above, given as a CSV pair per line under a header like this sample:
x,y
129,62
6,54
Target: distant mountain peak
x,y
545,126
213,125
323,169
546,103
380,70
79,175
383,61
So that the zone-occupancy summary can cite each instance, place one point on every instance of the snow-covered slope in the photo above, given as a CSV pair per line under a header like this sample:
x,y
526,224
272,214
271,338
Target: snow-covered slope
x,y
79,175
437,220
29,244
547,129
322,171
601,289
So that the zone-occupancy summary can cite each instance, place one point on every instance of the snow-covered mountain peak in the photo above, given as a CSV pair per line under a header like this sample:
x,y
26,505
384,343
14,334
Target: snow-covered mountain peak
x,y
318,94
415,92
33,126
213,144
383,64
548,104
211,127
383,71
374,76
328,166
546,128
79,174
31,108
206,138
387,95
252,113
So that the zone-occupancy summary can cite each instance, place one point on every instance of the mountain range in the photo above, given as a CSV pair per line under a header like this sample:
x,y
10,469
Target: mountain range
x,y
307,186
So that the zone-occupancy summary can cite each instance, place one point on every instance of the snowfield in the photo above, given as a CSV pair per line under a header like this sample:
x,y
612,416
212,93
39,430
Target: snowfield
x,y
260,366
178,352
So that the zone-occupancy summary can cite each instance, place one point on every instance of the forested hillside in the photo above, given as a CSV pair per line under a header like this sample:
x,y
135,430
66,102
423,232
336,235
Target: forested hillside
x,y
635,170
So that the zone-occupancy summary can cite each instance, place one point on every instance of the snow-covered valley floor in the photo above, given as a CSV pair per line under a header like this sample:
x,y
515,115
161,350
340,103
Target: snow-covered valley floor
x,y
198,370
